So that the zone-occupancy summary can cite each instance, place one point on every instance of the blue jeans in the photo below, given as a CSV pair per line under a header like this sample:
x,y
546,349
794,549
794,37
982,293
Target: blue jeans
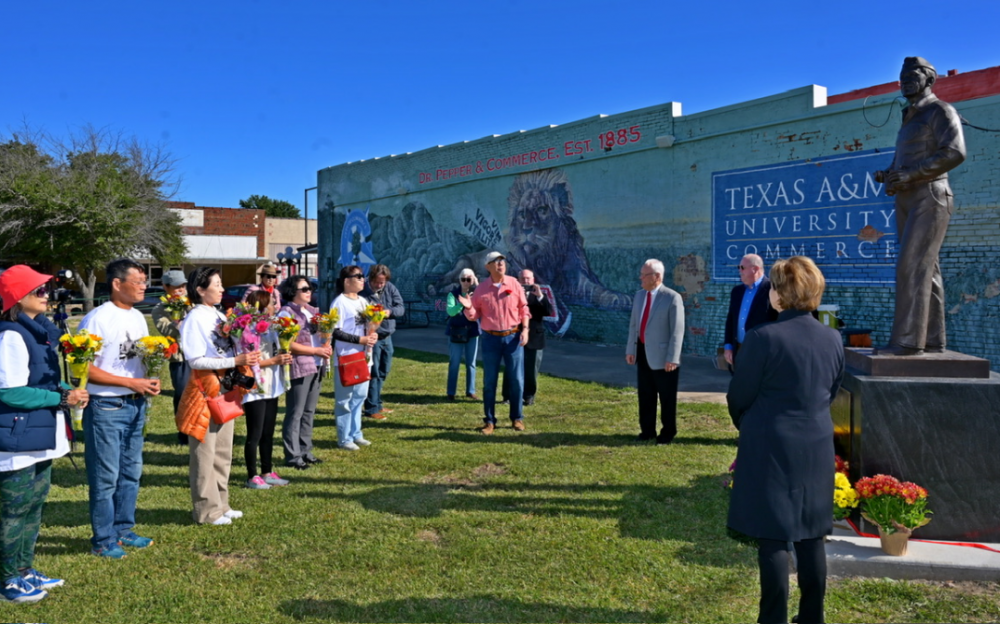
x,y
347,409
455,352
112,429
506,349
381,363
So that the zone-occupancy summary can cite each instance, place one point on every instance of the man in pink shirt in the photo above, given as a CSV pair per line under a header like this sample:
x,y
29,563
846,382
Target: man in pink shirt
x,y
502,309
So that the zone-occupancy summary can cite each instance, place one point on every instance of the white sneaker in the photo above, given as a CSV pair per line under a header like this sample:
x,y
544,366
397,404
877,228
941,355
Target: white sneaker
x,y
350,446
362,442
232,514
222,520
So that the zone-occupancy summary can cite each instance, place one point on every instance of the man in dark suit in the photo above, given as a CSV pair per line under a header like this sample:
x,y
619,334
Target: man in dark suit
x,y
540,306
655,336
748,305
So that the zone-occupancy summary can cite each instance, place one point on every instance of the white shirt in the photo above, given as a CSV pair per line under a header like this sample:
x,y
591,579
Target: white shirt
x,y
270,381
14,374
350,322
120,330
202,345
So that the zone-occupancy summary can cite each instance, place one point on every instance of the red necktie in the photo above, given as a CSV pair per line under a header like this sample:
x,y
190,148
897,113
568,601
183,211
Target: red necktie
x,y
645,317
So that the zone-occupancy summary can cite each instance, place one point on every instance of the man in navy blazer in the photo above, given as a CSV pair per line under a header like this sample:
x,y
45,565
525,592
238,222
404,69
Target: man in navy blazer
x,y
748,305
655,336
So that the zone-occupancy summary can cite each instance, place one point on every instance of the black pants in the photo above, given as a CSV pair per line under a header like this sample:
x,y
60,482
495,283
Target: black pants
x,y
261,417
180,373
772,557
655,384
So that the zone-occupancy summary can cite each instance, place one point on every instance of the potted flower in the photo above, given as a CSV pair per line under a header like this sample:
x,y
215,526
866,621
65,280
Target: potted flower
x,y
896,507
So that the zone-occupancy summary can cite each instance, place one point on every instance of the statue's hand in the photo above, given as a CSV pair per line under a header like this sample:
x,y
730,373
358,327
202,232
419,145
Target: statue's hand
x,y
880,176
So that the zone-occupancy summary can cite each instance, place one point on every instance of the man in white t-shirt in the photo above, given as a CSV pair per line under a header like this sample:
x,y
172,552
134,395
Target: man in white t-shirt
x,y
114,418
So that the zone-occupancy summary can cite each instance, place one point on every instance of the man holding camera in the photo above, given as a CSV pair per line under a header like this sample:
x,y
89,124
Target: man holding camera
x,y
540,306
113,419
502,309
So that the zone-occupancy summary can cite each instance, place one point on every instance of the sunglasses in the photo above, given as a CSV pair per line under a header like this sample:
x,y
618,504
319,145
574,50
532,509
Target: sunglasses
x,y
268,277
466,279
359,276
305,289
42,292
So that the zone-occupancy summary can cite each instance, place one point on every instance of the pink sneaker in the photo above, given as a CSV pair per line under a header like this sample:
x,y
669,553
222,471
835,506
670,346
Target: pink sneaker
x,y
257,483
272,478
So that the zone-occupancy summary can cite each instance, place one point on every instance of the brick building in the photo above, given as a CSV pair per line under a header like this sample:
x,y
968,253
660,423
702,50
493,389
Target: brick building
x,y
229,239
583,204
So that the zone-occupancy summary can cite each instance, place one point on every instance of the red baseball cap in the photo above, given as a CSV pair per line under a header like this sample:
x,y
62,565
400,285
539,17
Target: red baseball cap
x,y
18,281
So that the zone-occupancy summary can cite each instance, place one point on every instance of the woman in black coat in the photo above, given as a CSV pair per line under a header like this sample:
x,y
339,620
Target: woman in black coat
x,y
787,374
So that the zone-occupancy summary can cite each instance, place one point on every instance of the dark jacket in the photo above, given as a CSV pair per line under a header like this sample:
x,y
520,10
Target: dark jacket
x,y
760,310
787,374
536,326
459,320
23,429
390,299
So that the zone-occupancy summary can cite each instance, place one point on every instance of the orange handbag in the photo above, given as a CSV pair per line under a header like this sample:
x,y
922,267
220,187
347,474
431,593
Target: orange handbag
x,y
353,369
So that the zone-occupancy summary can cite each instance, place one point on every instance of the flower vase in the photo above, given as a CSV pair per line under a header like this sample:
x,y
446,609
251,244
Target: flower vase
x,y
80,371
894,543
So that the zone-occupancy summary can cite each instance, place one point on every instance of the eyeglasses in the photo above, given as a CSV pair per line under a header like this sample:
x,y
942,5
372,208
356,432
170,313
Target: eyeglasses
x,y
466,279
746,268
42,292
142,283
359,276
305,289
268,277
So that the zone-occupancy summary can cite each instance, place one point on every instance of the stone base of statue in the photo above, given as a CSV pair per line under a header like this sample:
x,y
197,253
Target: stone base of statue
x,y
946,364
941,432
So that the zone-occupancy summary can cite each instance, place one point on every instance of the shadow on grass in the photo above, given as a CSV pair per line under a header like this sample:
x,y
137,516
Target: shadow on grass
x,y
77,513
556,439
693,514
416,398
59,546
481,608
75,478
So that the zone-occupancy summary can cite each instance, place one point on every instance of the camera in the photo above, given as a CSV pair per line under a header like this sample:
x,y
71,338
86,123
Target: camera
x,y
234,378
528,289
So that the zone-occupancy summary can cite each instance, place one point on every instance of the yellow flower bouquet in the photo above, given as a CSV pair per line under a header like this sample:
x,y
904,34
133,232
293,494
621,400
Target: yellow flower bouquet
x,y
80,350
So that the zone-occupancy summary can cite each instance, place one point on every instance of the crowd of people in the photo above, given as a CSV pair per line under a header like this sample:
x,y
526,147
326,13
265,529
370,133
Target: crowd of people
x,y
786,370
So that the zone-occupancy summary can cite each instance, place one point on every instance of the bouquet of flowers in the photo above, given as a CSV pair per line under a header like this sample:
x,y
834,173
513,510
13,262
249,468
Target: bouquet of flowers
x,y
845,497
325,324
155,351
80,350
373,314
892,504
288,330
177,306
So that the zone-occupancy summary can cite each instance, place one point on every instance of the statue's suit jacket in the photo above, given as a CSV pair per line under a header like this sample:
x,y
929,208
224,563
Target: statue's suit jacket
x,y
664,328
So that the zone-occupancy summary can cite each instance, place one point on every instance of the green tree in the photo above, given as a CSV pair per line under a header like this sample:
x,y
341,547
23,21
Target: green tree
x,y
82,202
277,208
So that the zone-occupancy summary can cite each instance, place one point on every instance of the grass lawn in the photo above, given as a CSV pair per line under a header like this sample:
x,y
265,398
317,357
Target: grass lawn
x,y
570,521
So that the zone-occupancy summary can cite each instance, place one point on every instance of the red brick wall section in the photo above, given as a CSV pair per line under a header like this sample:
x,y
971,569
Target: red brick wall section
x,y
957,88
228,222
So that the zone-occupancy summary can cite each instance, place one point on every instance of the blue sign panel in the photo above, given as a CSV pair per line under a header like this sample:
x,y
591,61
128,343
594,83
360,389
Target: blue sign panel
x,y
830,209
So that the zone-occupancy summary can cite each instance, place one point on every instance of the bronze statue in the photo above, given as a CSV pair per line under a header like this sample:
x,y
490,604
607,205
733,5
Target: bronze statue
x,y
929,144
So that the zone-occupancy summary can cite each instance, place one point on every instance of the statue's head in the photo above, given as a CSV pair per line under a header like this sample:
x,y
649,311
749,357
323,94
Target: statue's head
x,y
916,76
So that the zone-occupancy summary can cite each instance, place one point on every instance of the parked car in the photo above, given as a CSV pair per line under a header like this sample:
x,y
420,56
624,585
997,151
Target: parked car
x,y
233,295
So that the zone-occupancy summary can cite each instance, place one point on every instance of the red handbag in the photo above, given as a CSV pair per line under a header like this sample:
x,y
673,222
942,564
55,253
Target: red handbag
x,y
224,406
353,369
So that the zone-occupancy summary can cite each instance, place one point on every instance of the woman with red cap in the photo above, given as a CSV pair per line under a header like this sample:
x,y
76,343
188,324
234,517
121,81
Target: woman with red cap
x,y
33,432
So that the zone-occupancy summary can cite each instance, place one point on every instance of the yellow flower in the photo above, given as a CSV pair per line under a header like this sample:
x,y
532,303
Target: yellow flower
x,y
70,359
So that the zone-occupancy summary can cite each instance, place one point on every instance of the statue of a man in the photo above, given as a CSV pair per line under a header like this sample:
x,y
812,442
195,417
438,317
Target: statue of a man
x,y
929,144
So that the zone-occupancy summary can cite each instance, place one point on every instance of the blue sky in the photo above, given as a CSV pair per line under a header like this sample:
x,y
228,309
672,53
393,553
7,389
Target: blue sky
x,y
254,97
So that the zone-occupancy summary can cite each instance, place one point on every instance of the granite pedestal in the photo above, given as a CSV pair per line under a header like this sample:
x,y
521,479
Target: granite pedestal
x,y
941,433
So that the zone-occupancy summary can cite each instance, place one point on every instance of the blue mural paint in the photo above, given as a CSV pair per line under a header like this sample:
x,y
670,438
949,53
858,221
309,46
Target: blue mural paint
x,y
830,209
356,240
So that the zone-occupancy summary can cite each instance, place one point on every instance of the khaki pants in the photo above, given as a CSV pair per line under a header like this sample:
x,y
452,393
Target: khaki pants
x,y
210,464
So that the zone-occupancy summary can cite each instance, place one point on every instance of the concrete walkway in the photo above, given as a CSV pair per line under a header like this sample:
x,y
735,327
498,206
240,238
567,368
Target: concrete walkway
x,y
700,381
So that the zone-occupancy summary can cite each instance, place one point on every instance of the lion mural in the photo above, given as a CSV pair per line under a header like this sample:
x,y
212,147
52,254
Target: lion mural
x,y
542,236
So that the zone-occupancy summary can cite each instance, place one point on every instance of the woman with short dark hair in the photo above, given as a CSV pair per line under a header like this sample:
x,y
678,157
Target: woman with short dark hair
x,y
787,375
210,355
309,356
